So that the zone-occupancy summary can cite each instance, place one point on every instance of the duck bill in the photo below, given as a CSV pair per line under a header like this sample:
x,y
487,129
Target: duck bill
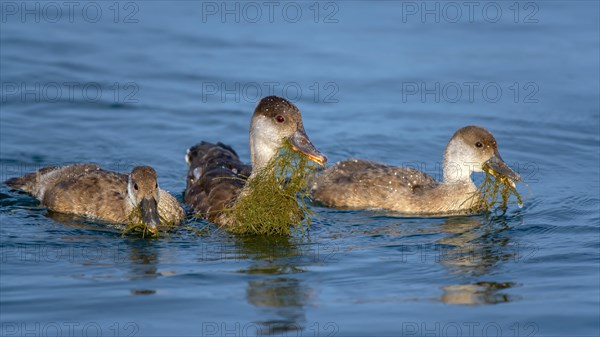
x,y
499,166
150,217
301,144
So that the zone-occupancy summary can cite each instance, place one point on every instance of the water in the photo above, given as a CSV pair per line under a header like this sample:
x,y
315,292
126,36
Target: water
x,y
150,79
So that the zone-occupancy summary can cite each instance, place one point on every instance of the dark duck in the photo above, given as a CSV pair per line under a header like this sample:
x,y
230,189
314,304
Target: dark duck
x,y
217,177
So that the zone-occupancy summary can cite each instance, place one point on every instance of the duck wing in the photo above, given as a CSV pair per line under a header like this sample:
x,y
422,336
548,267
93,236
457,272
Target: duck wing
x,y
37,183
83,189
215,178
362,183
95,193
169,208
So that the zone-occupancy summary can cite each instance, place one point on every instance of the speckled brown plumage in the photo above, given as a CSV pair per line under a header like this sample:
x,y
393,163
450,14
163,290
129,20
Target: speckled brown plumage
x,y
215,177
88,190
361,184
355,183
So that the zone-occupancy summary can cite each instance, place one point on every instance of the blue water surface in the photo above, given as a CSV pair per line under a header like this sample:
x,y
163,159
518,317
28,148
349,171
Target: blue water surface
x,y
138,82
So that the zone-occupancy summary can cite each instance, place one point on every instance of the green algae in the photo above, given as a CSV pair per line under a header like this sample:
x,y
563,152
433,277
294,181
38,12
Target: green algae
x,y
135,225
496,190
274,200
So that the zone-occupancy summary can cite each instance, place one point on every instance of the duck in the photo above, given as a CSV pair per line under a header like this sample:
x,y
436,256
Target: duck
x,y
363,184
88,190
217,177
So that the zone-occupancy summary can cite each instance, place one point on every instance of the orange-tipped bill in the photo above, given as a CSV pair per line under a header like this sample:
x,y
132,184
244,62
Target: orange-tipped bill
x,y
301,144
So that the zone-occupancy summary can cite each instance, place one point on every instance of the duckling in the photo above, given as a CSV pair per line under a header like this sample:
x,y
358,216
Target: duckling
x,y
362,184
90,191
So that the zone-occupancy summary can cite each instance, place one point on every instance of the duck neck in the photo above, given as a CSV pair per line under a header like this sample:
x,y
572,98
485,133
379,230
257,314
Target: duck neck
x,y
263,146
457,170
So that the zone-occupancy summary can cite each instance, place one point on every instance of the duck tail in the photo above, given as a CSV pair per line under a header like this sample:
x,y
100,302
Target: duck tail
x,y
29,181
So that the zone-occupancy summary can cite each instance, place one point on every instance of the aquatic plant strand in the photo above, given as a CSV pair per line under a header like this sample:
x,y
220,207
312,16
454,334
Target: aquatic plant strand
x,y
274,200
495,189
135,225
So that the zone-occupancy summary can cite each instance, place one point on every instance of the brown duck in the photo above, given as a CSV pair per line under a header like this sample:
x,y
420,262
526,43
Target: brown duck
x,y
361,184
88,190
216,176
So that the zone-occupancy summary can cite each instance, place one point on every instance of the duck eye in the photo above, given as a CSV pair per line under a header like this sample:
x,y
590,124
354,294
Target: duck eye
x,y
135,186
479,144
156,186
280,119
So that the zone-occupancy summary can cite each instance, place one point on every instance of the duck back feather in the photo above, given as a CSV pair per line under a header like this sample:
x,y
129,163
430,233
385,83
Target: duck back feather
x,y
216,175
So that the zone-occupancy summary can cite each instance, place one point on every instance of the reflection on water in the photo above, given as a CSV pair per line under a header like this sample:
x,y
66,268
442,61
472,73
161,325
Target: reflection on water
x,y
283,298
80,222
141,256
470,248
143,260
474,245
142,291
473,249
477,293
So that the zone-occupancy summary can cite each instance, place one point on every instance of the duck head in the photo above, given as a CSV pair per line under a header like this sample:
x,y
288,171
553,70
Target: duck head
x,y
142,189
275,121
469,150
